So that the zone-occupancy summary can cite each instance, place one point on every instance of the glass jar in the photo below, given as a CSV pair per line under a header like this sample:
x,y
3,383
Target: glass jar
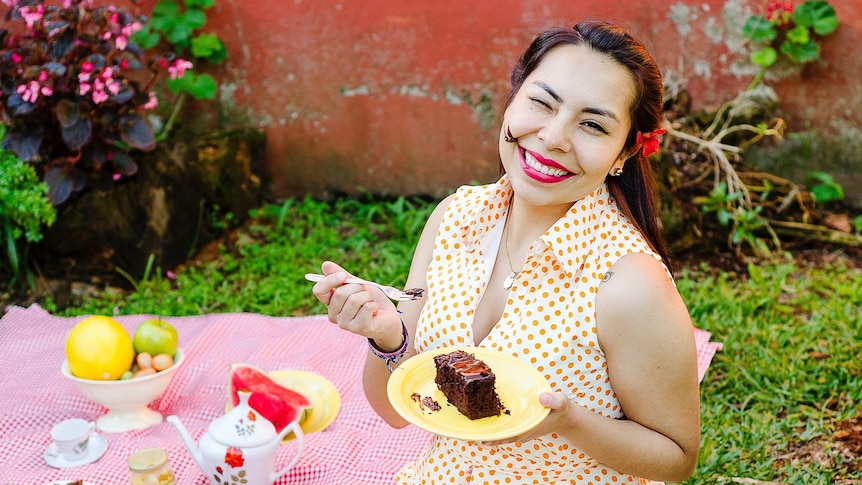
x,y
150,466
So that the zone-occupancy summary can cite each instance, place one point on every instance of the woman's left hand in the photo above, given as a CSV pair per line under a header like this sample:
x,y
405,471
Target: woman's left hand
x,y
557,419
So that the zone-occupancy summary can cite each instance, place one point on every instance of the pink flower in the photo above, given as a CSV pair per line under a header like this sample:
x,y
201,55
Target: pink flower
x,y
121,42
87,66
84,88
179,68
129,30
16,57
152,103
31,17
650,141
99,96
30,91
116,177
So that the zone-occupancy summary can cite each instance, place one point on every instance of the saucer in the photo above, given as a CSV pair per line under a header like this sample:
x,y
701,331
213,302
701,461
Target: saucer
x,y
98,446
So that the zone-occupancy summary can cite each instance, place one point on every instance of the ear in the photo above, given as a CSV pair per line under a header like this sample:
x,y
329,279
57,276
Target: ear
x,y
623,158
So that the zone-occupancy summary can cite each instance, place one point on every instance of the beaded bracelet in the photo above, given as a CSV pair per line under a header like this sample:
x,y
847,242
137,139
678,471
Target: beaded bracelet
x,y
394,356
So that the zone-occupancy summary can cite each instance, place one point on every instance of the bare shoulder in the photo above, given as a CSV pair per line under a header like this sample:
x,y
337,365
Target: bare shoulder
x,y
638,306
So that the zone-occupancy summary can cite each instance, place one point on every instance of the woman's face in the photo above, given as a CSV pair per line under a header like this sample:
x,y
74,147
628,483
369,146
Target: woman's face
x,y
570,118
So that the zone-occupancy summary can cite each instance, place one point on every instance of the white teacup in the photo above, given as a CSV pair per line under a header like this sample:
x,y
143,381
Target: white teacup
x,y
72,437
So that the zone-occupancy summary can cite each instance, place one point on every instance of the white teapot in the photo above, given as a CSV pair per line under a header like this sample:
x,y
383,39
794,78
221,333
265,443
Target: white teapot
x,y
240,443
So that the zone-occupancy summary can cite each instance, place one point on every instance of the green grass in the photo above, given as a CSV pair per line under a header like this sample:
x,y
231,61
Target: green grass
x,y
789,372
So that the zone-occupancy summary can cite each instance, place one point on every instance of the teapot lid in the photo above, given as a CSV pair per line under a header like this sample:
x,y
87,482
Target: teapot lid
x,y
242,426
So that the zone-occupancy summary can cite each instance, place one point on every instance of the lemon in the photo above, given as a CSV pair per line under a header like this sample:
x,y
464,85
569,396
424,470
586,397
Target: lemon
x,y
99,348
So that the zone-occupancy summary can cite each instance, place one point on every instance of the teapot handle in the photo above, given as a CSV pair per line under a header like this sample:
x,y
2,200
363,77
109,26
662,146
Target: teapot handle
x,y
297,432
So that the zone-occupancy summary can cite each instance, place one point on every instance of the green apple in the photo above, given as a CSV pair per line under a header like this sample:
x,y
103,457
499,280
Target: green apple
x,y
156,336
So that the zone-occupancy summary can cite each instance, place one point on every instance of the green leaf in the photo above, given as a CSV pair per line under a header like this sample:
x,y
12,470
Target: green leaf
x,y
137,132
146,38
194,18
204,87
179,34
181,84
801,53
759,29
764,57
799,35
166,9
824,193
816,14
205,45
204,4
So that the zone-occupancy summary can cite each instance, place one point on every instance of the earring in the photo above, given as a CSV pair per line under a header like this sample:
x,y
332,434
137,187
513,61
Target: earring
x,y
508,137
618,172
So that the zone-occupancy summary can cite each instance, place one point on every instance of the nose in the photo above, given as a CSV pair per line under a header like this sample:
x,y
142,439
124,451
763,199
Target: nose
x,y
555,136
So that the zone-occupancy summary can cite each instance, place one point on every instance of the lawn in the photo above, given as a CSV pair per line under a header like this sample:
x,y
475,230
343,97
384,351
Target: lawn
x,y
779,403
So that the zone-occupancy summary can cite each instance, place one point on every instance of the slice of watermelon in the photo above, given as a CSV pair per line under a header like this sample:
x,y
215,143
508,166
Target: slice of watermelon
x,y
278,404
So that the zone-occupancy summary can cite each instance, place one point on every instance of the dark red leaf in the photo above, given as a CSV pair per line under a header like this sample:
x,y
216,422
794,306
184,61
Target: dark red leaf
x,y
124,164
60,186
77,135
137,132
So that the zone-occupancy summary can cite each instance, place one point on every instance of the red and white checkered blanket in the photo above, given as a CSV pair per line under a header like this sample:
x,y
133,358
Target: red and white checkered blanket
x,y
357,448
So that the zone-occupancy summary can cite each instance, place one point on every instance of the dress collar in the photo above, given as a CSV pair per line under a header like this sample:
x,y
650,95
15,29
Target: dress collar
x,y
569,238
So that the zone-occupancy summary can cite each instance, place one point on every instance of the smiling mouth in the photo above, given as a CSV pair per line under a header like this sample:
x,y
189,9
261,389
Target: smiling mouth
x,y
533,163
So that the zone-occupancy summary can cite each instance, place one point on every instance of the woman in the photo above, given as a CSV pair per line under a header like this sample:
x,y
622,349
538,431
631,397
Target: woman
x,y
562,264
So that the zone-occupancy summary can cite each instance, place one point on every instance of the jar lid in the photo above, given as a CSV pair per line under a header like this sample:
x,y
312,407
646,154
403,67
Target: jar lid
x,y
147,459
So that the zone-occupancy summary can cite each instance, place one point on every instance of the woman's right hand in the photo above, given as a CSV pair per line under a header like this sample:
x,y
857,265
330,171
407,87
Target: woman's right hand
x,y
361,309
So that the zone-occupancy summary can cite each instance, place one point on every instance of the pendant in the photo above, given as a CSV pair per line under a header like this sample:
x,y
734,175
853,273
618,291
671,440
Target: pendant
x,y
510,280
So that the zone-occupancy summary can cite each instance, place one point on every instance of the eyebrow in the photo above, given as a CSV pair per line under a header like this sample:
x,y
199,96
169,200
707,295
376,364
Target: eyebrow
x,y
595,111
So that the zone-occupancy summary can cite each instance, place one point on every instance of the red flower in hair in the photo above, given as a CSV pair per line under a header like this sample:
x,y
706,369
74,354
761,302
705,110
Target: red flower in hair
x,y
650,141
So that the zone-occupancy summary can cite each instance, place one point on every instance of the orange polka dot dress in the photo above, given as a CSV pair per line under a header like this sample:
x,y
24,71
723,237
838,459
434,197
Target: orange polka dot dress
x,y
549,321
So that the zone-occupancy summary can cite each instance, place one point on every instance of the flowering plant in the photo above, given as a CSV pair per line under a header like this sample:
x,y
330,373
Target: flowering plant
x,y
77,91
788,29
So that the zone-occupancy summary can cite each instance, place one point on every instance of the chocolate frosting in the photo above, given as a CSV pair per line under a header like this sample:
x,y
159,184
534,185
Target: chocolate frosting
x,y
467,365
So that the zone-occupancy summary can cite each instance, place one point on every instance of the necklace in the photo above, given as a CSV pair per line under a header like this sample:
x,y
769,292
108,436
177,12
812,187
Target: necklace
x,y
510,280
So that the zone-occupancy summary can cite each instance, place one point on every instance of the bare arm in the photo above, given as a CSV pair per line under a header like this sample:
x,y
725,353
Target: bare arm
x,y
376,375
648,339
367,312
647,335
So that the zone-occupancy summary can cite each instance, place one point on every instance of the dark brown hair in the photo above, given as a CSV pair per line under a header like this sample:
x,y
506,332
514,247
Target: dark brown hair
x,y
634,191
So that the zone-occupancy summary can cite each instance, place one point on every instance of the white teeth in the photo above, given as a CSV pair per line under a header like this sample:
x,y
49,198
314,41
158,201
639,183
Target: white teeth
x,y
535,165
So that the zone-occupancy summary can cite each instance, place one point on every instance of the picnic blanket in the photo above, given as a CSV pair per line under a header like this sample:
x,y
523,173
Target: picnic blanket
x,y
358,447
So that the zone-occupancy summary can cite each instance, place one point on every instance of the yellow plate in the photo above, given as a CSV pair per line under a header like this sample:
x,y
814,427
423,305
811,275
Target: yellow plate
x,y
321,393
518,385
324,397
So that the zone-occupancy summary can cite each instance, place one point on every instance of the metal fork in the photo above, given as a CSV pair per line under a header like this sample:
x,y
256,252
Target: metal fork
x,y
392,293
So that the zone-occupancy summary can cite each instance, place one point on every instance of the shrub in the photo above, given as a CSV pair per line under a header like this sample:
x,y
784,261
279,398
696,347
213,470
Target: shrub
x,y
24,208
77,91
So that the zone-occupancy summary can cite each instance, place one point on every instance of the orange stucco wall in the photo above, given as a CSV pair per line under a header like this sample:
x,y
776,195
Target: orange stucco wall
x,y
403,96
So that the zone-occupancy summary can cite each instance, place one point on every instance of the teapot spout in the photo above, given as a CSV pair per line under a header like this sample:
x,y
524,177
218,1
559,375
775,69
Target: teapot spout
x,y
188,440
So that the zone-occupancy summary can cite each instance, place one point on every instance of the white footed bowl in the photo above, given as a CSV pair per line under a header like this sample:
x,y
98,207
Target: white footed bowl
x,y
127,400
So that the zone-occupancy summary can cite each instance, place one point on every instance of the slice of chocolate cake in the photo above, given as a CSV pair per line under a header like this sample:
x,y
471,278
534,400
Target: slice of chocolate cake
x,y
468,384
